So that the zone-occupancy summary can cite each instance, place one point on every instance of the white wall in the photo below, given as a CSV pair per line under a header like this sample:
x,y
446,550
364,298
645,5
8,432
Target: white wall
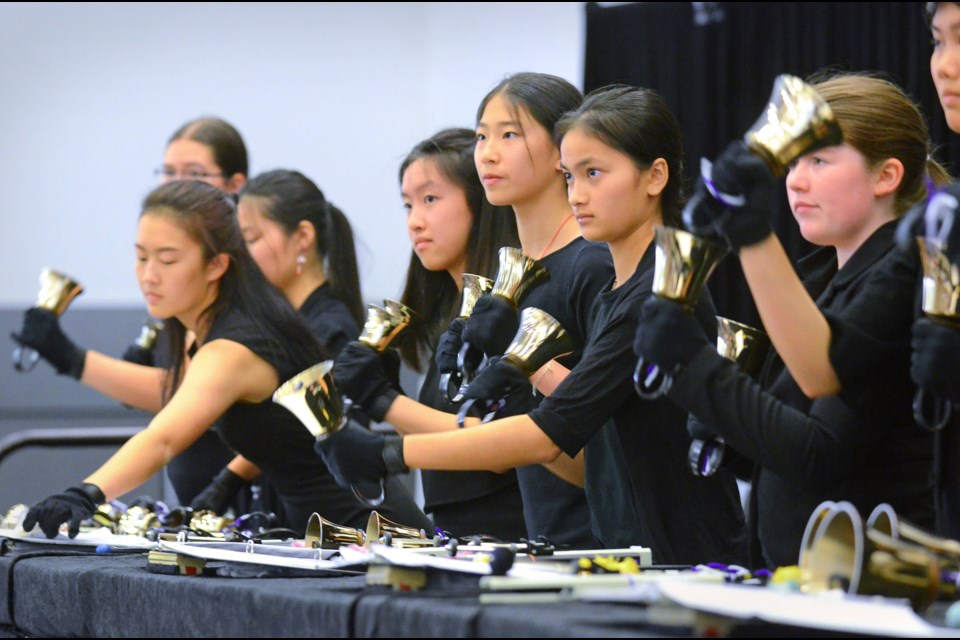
x,y
89,94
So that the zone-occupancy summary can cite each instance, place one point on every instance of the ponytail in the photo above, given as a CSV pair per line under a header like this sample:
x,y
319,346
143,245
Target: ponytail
x,y
336,238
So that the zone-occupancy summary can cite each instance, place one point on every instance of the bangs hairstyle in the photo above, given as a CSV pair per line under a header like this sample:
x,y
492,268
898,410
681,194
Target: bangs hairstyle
x,y
433,294
208,216
637,123
544,97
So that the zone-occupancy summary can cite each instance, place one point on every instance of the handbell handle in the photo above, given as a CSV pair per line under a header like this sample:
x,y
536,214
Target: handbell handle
x,y
649,381
486,410
942,411
25,359
363,495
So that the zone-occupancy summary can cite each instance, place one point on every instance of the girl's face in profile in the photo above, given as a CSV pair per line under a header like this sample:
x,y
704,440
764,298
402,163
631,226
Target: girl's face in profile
x,y
833,196
175,279
438,218
610,196
274,251
515,156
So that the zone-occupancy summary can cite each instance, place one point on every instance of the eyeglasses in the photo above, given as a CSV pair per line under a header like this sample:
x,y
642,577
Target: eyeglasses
x,y
166,174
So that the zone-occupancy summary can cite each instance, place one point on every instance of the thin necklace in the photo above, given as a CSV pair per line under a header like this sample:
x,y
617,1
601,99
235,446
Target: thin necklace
x,y
559,229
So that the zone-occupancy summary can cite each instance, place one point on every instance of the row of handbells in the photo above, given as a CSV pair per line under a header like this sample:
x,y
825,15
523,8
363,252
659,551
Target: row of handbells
x,y
156,522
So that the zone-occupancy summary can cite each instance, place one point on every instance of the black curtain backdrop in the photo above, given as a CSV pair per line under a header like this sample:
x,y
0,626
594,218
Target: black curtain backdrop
x,y
715,64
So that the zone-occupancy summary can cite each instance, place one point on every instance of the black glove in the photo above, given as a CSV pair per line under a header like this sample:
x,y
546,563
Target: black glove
x,y
41,332
217,495
138,355
448,349
699,430
73,505
667,335
498,380
737,205
359,458
492,325
934,218
361,374
935,361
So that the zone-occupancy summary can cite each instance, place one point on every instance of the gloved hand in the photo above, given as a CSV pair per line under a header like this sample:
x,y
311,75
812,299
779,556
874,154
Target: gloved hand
x,y
361,374
935,219
699,430
667,336
737,202
492,325
448,349
73,505
498,380
217,495
935,361
41,332
138,355
359,458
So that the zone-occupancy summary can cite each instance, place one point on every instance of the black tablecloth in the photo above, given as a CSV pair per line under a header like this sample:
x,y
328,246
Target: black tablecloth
x,y
49,592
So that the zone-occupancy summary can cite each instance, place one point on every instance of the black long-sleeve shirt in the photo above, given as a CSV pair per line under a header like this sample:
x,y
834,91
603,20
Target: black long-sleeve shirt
x,y
808,451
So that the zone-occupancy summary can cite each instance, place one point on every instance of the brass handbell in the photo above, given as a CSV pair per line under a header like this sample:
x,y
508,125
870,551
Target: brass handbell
x,y
209,523
884,519
540,338
941,301
378,527
108,516
743,344
383,324
748,348
810,533
683,265
57,291
796,121
312,397
517,275
14,516
453,384
941,282
866,561
135,521
323,534
474,286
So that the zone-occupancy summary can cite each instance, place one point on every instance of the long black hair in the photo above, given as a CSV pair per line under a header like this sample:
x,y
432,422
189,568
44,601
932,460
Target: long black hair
x,y
209,217
433,294
290,197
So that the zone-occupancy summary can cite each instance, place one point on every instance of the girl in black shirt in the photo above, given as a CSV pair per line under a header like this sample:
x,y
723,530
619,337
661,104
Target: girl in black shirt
x,y
196,273
846,198
516,159
621,185
304,246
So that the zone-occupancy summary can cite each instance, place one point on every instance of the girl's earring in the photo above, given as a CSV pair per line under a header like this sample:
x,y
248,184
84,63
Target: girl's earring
x,y
301,260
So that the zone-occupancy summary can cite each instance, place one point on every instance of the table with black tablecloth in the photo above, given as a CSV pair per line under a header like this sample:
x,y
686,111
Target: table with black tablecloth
x,y
57,593
66,593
